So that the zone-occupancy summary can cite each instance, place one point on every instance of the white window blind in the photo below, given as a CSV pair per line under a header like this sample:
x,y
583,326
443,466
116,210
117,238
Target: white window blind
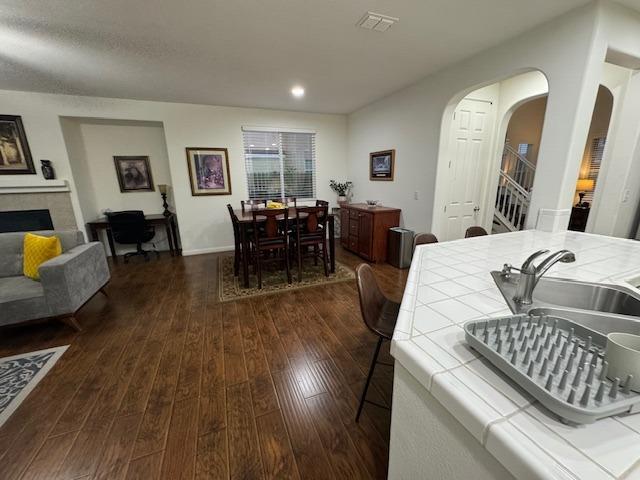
x,y
280,163
595,160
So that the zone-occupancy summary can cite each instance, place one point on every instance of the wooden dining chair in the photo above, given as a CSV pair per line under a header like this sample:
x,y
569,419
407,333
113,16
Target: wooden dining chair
x,y
475,232
270,234
423,239
380,316
311,231
237,258
252,204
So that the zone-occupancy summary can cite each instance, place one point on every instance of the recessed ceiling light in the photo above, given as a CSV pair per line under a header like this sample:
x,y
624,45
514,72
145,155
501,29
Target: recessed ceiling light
x,y
297,91
273,144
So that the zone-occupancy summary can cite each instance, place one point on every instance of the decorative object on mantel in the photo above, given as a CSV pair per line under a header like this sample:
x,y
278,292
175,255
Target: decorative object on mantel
x,y
134,173
381,165
164,189
47,170
19,375
583,186
209,171
342,189
15,156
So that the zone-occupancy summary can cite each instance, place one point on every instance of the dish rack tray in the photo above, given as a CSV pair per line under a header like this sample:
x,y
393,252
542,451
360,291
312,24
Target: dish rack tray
x,y
559,362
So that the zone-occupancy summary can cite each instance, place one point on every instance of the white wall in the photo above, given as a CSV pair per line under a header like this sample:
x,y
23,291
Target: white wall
x,y
569,51
204,221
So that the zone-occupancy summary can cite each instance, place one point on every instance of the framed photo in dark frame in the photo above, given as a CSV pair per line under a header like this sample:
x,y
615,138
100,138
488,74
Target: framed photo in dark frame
x,y
15,156
209,171
134,173
381,165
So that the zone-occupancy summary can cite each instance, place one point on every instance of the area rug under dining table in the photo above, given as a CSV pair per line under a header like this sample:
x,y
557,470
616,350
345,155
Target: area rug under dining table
x,y
274,279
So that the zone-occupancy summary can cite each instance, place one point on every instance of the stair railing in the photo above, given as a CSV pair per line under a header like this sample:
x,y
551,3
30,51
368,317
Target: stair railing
x,y
514,189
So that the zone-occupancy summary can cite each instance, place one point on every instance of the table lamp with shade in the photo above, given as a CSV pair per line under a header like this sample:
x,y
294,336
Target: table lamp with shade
x,y
164,189
583,186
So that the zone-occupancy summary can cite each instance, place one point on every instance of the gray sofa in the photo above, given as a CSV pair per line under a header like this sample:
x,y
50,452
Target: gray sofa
x,y
66,283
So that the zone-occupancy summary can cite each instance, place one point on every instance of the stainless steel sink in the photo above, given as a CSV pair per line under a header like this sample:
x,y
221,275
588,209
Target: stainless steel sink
x,y
572,294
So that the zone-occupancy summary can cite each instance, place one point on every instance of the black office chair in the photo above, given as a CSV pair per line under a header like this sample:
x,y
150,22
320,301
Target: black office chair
x,y
129,227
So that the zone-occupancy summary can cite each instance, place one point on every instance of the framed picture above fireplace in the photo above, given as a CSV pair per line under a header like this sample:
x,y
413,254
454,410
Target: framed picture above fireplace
x,y
15,156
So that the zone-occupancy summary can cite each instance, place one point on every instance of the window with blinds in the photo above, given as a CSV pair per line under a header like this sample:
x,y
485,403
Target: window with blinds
x,y
280,163
595,160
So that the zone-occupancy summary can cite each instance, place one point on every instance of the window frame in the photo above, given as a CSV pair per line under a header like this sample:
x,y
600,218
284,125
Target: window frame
x,y
281,155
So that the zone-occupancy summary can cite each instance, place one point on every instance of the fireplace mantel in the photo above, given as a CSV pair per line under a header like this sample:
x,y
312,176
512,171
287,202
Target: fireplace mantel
x,y
29,185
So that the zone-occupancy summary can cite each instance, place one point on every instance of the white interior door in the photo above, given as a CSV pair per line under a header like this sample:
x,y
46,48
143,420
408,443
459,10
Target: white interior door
x,y
468,161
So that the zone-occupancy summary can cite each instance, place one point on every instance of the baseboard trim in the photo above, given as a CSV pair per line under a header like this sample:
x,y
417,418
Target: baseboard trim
x,y
203,251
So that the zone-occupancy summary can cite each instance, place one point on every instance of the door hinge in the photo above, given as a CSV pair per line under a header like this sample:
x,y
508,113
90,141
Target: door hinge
x,y
454,115
449,163
445,208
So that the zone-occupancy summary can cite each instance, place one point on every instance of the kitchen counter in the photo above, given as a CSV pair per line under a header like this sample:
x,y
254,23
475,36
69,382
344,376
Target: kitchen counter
x,y
455,415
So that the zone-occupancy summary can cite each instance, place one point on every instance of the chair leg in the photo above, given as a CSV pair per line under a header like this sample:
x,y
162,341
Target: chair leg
x,y
104,292
299,251
259,268
72,322
316,253
287,263
325,259
366,385
236,261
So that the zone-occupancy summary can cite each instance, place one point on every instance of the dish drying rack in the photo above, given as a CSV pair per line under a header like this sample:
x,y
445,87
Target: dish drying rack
x,y
559,362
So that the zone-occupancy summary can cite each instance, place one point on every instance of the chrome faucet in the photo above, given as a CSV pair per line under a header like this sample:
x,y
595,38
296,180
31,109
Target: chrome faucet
x,y
530,274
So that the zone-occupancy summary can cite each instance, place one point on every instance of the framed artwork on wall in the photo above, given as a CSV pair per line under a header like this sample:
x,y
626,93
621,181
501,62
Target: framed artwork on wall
x,y
15,156
209,171
381,165
134,173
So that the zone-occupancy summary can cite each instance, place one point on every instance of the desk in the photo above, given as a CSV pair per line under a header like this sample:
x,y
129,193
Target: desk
x,y
169,223
245,219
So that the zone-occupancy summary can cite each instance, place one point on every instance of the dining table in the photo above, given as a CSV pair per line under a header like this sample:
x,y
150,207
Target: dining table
x,y
245,220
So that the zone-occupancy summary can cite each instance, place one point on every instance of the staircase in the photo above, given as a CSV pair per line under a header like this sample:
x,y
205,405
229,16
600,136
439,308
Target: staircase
x,y
514,191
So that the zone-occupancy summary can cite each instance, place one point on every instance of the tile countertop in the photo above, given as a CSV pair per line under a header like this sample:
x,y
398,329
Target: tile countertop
x,y
448,284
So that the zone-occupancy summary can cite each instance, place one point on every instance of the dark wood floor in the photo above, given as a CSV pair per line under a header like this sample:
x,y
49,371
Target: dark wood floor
x,y
166,382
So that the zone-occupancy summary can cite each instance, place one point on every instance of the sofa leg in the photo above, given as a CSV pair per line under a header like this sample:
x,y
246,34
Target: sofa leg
x,y
103,291
72,322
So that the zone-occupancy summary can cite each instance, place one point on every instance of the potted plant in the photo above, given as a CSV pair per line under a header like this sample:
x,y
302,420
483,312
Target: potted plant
x,y
341,189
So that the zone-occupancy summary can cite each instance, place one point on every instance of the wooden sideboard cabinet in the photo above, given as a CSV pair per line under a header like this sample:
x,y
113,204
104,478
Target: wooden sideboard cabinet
x,y
364,230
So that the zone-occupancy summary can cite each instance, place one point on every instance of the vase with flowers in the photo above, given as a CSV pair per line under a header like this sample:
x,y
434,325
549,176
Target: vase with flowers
x,y
342,189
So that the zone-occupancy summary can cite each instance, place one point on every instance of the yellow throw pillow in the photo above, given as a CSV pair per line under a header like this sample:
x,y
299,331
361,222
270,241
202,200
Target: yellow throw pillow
x,y
37,250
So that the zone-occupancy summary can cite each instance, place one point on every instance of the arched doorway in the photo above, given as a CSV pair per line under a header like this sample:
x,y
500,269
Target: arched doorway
x,y
518,165
591,160
471,147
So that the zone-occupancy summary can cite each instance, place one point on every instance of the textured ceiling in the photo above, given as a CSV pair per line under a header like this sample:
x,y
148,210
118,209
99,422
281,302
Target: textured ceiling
x,y
248,52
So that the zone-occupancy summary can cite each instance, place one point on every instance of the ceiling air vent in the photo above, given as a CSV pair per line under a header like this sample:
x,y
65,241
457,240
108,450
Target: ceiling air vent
x,y
376,21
